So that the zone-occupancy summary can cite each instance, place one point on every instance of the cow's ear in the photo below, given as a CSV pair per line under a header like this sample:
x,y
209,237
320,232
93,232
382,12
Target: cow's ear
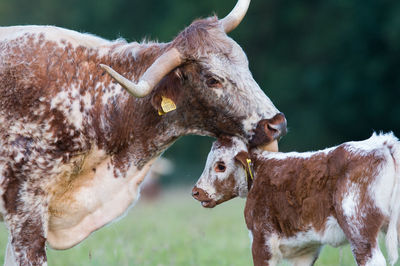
x,y
166,94
242,157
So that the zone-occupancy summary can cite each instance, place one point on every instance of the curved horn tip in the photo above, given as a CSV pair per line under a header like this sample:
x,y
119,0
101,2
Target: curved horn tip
x,y
139,90
233,19
161,67
103,66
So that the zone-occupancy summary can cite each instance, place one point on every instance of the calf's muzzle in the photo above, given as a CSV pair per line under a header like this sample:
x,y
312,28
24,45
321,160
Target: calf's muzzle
x,y
199,194
202,196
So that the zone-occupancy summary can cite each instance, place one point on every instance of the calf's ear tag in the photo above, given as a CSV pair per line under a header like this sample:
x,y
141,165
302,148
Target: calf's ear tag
x,y
250,165
167,105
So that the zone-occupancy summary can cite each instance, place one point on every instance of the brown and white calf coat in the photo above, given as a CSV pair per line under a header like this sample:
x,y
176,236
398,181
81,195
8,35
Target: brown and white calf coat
x,y
75,145
298,202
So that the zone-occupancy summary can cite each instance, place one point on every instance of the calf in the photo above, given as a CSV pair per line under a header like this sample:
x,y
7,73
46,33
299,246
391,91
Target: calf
x,y
297,202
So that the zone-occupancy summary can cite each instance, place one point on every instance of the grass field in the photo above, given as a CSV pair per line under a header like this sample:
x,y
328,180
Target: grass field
x,y
174,230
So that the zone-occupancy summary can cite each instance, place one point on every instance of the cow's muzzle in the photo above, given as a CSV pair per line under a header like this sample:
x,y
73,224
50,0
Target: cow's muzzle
x,y
269,130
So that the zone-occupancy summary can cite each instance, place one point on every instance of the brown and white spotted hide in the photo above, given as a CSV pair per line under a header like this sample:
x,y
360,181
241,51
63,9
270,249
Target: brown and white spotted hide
x,y
75,146
299,202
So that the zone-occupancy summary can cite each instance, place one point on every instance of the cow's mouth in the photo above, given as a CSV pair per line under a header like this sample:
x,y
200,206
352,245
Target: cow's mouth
x,y
273,146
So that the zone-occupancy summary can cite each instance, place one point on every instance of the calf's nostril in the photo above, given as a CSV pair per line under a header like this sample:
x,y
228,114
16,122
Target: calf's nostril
x,y
195,193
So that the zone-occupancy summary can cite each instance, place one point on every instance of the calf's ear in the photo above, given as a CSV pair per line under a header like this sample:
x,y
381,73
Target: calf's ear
x,y
167,92
242,157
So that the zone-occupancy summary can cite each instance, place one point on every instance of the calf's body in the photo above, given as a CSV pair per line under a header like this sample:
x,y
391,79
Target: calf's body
x,y
299,202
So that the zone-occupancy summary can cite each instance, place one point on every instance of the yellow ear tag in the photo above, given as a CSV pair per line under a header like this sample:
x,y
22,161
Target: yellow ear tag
x,y
167,105
249,165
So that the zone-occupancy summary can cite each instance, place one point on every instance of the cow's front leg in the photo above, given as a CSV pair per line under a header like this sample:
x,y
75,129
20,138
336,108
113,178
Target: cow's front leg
x,y
27,243
27,225
9,259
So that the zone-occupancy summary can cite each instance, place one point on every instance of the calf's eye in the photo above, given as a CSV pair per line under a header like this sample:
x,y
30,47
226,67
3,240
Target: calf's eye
x,y
220,167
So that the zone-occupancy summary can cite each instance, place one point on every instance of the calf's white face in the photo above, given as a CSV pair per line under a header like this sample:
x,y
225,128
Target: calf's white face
x,y
224,175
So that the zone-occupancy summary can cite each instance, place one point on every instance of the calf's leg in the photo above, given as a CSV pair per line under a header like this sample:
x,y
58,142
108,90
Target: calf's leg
x,y
361,227
264,250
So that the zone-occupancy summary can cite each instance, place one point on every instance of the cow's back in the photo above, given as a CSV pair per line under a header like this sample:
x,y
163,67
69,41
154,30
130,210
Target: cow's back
x,y
53,33
48,75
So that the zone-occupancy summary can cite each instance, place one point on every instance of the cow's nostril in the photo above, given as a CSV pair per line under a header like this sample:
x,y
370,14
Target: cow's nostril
x,y
273,127
277,126
279,129
195,193
268,130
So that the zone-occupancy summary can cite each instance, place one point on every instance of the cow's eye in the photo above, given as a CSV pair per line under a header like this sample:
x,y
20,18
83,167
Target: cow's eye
x,y
213,82
220,167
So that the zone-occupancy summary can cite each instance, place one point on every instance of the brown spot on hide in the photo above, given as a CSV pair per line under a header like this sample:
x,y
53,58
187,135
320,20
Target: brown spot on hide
x,y
226,187
261,252
11,194
223,141
29,243
33,236
202,37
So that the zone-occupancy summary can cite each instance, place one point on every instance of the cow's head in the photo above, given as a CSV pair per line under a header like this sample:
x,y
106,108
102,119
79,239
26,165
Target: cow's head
x,y
205,74
226,174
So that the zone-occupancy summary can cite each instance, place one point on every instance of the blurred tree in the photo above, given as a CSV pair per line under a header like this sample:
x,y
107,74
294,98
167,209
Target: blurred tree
x,y
332,66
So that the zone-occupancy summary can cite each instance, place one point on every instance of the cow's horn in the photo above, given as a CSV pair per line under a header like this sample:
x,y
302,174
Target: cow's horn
x,y
233,19
161,67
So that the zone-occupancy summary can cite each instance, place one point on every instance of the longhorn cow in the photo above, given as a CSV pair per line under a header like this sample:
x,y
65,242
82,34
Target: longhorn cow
x,y
82,119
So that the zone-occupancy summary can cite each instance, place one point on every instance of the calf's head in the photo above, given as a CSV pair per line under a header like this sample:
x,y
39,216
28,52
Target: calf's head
x,y
226,174
205,74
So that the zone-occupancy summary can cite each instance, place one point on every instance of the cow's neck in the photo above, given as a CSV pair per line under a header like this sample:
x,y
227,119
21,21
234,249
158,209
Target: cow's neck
x,y
152,133
135,132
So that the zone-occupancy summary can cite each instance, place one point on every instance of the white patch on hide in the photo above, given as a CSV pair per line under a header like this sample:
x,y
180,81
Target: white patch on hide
x,y
381,188
99,199
377,258
273,243
332,235
55,34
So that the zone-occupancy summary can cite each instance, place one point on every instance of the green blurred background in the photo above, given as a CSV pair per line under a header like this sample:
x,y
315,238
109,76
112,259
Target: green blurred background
x,y
332,66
